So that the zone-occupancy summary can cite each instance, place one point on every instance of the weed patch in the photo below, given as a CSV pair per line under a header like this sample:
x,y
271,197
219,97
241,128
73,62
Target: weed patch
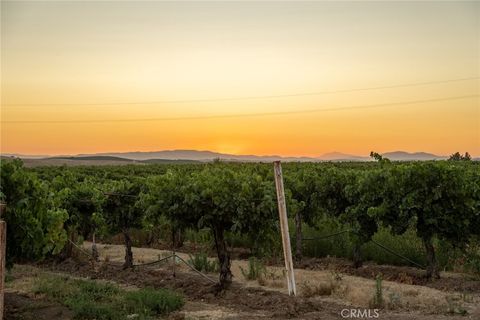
x,y
256,269
105,301
201,262
377,300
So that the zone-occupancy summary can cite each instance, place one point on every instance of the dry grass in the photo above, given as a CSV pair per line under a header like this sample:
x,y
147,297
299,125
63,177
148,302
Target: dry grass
x,y
311,289
326,288
272,277
411,293
455,305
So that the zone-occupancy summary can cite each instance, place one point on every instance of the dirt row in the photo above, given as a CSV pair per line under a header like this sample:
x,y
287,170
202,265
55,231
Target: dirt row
x,y
449,281
255,302
239,302
453,282
250,300
351,289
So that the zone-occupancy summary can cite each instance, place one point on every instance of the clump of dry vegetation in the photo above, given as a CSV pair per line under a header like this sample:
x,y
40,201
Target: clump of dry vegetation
x,y
394,300
257,270
311,289
455,305
272,278
105,263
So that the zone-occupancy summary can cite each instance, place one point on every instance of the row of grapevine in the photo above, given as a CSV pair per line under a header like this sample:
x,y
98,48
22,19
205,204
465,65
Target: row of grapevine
x,y
35,223
439,200
50,205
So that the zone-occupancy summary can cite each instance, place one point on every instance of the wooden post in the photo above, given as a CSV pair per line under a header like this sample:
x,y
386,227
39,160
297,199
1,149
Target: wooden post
x,y
3,241
282,211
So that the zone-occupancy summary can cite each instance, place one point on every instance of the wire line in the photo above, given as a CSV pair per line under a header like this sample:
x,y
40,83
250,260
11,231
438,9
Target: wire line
x,y
246,115
242,98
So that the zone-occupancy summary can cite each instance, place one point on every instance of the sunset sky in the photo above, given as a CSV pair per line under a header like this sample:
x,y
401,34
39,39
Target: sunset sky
x,y
240,77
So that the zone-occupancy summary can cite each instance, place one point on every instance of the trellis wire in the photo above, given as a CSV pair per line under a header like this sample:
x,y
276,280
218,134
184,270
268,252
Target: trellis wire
x,y
373,241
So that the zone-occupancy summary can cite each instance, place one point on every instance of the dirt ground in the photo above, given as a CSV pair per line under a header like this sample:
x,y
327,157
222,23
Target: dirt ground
x,y
449,281
250,300
406,286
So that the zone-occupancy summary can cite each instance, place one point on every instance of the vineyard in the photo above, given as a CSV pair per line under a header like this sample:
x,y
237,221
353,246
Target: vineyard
x,y
365,220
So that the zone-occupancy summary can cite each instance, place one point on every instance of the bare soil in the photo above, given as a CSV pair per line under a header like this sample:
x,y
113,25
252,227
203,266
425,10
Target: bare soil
x,y
239,302
250,300
449,281
254,299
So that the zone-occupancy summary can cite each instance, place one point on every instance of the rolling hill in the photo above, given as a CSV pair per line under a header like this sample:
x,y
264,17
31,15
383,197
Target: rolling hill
x,y
193,156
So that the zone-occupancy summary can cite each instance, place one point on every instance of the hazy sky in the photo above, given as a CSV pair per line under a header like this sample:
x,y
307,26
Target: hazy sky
x,y
60,59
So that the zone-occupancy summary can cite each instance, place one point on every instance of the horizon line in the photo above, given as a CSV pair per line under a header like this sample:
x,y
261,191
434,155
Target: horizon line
x,y
222,153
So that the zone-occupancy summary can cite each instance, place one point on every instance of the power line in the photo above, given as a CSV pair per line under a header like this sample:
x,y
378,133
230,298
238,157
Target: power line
x,y
241,98
247,115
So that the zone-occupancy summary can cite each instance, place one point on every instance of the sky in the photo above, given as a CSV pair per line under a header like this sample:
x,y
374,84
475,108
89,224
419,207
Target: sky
x,y
240,77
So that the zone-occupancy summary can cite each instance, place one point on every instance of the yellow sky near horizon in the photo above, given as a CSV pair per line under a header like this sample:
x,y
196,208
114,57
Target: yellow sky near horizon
x,y
60,58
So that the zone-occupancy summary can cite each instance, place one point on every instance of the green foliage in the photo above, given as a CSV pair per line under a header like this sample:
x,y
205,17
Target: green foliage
x,y
377,300
120,207
165,197
406,244
436,198
35,223
201,262
471,259
457,156
302,192
378,157
83,201
104,301
201,237
440,198
399,204
122,212
362,195
216,197
151,302
337,246
256,269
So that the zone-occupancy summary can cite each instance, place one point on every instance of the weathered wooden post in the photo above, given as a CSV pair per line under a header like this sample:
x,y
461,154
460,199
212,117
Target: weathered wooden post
x,y
282,211
3,242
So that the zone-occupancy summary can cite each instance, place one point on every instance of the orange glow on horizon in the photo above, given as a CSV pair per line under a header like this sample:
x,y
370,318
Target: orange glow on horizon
x,y
59,53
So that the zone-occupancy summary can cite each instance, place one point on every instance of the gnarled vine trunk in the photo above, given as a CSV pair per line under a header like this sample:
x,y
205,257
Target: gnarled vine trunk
x,y
128,250
94,248
432,266
178,238
67,251
223,257
69,246
357,255
298,236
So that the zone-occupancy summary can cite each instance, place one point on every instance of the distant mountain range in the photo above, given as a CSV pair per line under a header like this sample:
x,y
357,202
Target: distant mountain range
x,y
210,155
339,156
199,156
168,156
